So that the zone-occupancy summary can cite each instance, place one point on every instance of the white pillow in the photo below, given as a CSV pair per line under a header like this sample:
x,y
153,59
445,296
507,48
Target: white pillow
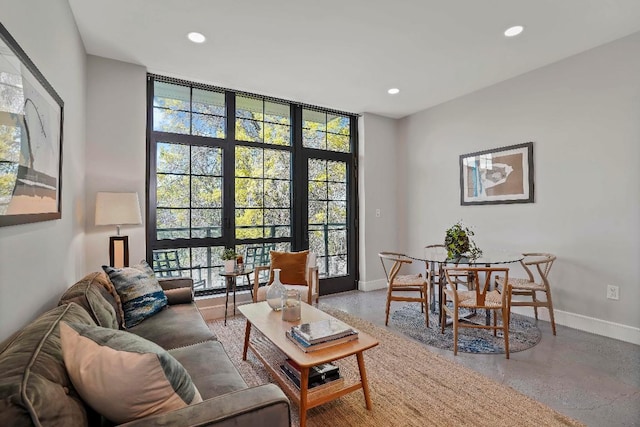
x,y
123,376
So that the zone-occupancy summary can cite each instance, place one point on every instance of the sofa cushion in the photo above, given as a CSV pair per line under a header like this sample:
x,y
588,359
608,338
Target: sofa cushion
x,y
139,291
293,266
210,367
92,293
179,295
176,326
35,388
123,376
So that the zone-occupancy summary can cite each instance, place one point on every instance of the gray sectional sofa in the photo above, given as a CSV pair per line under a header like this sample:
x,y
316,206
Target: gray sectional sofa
x,y
36,390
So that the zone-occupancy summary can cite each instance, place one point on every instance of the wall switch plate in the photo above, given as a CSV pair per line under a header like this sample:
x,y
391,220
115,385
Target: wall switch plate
x,y
377,213
613,292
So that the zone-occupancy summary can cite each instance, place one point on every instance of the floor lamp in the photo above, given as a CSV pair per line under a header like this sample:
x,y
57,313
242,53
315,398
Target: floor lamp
x,y
118,209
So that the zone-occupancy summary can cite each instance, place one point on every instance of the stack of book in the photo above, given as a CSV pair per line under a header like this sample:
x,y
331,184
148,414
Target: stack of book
x,y
322,378
321,334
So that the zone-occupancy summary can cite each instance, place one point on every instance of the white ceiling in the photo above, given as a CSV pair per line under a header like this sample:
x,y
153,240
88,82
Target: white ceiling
x,y
345,54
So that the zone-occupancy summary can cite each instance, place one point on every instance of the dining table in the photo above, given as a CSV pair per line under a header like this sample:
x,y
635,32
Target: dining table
x,y
436,258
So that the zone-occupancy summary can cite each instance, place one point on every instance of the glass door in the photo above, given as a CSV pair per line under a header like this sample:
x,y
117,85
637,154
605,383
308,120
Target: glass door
x,y
330,227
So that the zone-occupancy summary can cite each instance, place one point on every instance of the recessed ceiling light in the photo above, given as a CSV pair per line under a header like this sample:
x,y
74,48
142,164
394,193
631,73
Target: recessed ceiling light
x,y
513,31
393,91
196,37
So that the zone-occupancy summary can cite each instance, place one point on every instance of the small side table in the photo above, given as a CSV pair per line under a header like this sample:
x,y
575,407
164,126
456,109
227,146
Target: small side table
x,y
230,280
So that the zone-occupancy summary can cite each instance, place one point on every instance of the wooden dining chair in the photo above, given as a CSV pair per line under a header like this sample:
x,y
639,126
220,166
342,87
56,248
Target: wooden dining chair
x,y
398,285
480,297
531,286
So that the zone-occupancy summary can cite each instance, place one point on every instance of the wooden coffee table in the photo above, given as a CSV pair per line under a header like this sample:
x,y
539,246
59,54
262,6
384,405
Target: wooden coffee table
x,y
270,323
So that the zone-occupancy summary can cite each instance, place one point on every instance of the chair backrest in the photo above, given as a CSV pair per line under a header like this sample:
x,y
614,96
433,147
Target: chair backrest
x,y
391,263
543,262
481,287
166,263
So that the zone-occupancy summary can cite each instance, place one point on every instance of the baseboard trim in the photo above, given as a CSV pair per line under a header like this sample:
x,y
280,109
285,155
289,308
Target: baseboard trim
x,y
592,325
372,285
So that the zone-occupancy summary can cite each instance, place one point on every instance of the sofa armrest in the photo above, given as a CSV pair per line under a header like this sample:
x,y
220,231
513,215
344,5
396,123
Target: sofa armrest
x,y
313,282
256,279
179,290
264,405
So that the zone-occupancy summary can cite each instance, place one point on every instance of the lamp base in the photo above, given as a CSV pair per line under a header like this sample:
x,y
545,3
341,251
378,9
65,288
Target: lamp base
x,y
119,251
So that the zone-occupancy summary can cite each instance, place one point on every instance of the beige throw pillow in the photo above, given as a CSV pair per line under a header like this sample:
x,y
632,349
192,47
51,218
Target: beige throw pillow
x,y
123,376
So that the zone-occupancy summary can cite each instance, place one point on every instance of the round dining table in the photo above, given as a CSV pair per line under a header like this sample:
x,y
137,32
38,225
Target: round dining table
x,y
436,259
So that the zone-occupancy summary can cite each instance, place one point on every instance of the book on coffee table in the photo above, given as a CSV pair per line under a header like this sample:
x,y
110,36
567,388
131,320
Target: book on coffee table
x,y
316,373
307,347
322,330
334,380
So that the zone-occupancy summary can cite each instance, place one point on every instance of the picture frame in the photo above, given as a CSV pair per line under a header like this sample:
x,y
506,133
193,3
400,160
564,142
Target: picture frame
x,y
31,120
497,176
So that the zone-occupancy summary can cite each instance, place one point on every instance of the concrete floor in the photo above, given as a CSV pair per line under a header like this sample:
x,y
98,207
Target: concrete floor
x,y
591,378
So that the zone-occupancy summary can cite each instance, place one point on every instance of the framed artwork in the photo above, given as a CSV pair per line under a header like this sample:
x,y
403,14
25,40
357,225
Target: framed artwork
x,y
496,176
31,115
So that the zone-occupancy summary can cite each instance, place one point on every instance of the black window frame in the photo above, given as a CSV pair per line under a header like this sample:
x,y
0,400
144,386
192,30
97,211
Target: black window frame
x,y
298,239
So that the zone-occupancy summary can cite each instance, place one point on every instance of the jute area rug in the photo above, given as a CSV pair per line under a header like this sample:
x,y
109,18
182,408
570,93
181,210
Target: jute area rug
x,y
409,385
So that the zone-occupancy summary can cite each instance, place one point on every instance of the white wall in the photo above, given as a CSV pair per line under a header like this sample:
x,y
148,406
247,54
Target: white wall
x,y
583,114
39,261
377,189
116,150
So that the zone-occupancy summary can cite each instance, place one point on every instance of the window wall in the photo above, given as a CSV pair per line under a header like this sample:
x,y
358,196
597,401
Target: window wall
x,y
236,170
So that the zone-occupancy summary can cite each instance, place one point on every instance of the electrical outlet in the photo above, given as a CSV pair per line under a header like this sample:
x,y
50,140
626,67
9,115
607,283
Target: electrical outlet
x,y
377,213
613,292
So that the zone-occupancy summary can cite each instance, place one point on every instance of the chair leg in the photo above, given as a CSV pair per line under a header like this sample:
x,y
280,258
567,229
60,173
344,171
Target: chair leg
x,y
443,315
535,307
386,320
422,301
425,303
505,329
550,308
455,331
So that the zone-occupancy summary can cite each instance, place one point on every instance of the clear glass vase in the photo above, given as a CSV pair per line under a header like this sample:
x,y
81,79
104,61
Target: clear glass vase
x,y
275,291
291,305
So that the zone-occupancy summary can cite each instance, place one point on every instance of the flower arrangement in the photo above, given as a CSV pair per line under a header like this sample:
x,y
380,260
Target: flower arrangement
x,y
458,242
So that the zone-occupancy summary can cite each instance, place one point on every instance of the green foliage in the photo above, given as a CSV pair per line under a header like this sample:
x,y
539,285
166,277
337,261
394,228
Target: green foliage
x,y
229,254
458,242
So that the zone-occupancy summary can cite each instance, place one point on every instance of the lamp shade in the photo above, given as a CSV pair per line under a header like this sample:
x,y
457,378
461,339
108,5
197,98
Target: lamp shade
x,y
117,209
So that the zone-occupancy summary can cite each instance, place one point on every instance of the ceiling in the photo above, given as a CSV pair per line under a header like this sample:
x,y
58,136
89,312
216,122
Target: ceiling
x,y
345,54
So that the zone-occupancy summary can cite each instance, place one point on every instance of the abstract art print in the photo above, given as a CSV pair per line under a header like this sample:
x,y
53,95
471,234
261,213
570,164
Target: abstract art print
x,y
31,114
496,176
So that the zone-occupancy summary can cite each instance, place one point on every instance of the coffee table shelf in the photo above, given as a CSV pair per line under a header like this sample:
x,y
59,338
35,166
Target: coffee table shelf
x,y
272,347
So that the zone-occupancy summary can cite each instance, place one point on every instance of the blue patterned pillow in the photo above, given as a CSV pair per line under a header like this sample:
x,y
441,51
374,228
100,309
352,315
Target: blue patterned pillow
x,y
139,290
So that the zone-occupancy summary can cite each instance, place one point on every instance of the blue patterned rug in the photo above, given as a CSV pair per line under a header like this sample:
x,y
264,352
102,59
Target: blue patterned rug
x,y
523,332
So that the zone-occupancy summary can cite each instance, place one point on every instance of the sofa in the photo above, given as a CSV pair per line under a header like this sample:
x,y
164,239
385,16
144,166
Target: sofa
x,y
36,389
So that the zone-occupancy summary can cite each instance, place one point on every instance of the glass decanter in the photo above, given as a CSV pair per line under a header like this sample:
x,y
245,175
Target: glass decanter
x,y
275,291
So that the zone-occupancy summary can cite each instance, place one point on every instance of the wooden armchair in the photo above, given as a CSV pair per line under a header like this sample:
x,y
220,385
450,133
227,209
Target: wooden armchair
x,y
480,296
298,271
530,286
398,285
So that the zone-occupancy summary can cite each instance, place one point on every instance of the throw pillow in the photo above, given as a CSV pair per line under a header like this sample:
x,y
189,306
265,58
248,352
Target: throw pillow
x,y
139,290
292,264
123,376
